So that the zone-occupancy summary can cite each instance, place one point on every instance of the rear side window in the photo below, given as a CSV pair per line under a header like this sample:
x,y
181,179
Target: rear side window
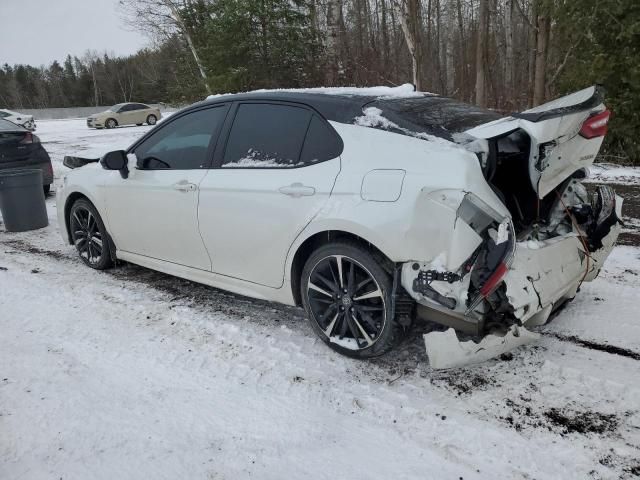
x,y
266,136
182,144
321,143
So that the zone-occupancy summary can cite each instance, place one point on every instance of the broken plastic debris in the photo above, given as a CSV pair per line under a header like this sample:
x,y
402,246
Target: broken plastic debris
x,y
446,351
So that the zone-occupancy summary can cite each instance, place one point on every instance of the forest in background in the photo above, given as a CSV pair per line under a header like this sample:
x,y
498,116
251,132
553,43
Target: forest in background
x,y
502,54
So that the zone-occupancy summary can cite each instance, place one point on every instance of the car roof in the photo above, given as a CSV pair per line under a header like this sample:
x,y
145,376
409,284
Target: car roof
x,y
404,107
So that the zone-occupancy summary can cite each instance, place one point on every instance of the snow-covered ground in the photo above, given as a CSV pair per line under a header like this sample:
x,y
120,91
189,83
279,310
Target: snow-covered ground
x,y
612,173
134,374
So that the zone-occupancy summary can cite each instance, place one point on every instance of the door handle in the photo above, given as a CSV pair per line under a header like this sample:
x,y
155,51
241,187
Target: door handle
x,y
297,190
185,186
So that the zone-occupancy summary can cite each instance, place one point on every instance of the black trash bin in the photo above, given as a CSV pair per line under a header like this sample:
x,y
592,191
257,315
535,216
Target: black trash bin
x,y
22,200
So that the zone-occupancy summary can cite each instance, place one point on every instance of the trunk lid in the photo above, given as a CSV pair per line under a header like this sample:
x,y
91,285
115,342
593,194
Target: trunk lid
x,y
561,143
16,142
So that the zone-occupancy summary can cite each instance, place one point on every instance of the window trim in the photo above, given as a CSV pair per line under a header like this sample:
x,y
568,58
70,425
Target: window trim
x,y
231,116
216,136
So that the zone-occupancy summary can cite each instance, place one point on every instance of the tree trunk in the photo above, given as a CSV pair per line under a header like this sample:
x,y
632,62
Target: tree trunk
x,y
532,41
175,13
481,56
333,51
539,84
409,18
508,54
449,60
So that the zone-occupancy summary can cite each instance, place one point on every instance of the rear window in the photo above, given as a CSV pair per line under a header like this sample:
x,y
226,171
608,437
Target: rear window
x,y
433,115
6,125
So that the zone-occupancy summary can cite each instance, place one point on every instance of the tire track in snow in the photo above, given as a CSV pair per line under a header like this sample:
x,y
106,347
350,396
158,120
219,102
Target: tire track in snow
x,y
202,296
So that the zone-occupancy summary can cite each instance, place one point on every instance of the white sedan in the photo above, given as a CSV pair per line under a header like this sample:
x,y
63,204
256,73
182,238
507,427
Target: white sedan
x,y
365,206
21,119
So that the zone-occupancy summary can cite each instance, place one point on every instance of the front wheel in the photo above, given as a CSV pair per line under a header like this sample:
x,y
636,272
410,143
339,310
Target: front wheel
x,y
89,235
348,298
111,123
152,119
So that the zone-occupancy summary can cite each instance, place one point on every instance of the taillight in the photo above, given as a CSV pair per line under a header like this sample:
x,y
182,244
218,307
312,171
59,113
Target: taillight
x,y
29,138
596,126
494,280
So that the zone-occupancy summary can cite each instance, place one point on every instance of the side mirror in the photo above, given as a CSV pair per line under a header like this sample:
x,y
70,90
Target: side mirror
x,y
116,160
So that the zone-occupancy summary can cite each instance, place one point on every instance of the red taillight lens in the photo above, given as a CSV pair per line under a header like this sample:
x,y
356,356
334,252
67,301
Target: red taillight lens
x,y
596,126
494,280
29,138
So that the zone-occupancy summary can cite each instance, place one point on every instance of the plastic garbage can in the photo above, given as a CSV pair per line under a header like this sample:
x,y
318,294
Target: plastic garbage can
x,y
22,200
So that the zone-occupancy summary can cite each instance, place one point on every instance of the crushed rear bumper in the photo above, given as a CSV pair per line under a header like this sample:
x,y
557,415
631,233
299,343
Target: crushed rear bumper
x,y
495,307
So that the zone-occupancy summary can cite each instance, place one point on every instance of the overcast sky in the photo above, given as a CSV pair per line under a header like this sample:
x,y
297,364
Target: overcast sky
x,y
37,32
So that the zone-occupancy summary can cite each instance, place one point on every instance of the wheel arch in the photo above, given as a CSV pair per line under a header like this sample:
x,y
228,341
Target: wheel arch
x,y
313,242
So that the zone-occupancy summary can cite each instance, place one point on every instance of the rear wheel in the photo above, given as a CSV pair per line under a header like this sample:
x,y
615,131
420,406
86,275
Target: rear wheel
x,y
89,235
111,123
138,124
152,119
348,298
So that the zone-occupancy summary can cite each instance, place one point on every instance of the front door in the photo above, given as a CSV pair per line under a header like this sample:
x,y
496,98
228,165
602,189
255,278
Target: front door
x,y
154,212
275,174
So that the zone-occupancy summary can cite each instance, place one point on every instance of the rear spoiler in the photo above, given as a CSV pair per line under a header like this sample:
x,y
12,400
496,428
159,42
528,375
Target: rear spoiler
x,y
596,99
76,162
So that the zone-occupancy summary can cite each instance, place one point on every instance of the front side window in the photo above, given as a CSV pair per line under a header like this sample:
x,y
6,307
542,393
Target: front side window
x,y
266,136
182,144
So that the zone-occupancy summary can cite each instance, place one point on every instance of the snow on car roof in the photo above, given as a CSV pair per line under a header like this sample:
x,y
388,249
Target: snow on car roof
x,y
401,91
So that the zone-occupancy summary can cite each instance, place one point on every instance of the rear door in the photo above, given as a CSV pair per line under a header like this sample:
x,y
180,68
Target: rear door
x,y
566,135
139,113
126,114
273,175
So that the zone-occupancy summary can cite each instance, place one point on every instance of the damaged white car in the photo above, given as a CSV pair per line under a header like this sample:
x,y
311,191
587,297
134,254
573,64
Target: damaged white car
x,y
366,206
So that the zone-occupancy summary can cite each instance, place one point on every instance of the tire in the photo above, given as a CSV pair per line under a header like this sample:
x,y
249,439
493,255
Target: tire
x,y
151,120
47,189
110,123
356,320
138,124
84,221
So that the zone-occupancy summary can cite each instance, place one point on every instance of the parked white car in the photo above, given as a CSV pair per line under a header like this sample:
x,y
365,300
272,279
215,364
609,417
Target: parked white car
x,y
365,206
21,119
124,114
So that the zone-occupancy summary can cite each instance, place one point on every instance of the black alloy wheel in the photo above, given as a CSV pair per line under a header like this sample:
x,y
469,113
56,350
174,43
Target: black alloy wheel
x,y
348,300
89,235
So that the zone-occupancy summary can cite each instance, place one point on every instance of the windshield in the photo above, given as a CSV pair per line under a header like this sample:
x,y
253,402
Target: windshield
x,y
115,108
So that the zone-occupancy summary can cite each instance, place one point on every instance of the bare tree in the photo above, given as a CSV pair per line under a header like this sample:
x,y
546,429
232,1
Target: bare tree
x,y
164,18
335,68
408,12
481,53
540,75
508,47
